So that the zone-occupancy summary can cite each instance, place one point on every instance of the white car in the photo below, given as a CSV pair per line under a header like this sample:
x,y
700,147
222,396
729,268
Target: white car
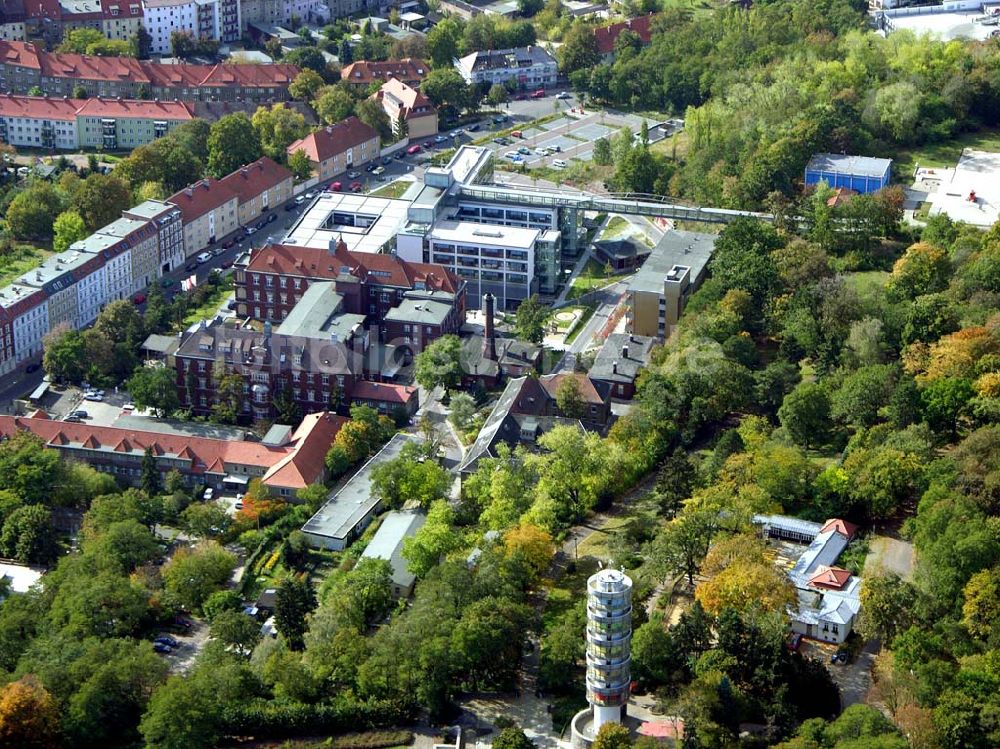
x,y
511,155
92,397
203,257
558,163
542,151
456,133
562,95
209,492
250,230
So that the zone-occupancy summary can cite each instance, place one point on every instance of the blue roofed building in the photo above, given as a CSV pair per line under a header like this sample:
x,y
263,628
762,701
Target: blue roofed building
x,y
859,173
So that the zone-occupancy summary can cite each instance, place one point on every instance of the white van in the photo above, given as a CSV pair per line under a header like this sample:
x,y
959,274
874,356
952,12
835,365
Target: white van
x,y
558,163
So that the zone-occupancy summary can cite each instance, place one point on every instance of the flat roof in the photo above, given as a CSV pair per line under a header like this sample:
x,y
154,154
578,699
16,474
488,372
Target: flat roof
x,y
387,543
122,227
319,225
687,248
21,576
976,172
179,428
349,505
470,232
868,166
151,209
420,311
317,315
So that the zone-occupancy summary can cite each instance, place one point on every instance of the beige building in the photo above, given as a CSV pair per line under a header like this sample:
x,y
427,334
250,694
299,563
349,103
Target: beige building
x,y
122,19
335,149
145,256
658,292
121,125
259,188
403,103
208,212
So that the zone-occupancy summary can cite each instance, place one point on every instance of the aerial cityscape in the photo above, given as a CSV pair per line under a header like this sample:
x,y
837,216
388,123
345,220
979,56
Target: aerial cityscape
x,y
499,374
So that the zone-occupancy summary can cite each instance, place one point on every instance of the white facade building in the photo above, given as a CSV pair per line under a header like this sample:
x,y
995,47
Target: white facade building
x,y
530,67
38,122
163,17
28,311
91,295
117,265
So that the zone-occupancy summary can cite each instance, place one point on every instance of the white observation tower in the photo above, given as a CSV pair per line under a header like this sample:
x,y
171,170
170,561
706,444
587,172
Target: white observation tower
x,y
609,643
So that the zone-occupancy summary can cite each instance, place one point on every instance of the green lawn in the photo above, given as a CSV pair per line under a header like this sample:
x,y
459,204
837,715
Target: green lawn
x,y
592,277
866,283
211,304
944,154
393,189
19,261
616,228
580,323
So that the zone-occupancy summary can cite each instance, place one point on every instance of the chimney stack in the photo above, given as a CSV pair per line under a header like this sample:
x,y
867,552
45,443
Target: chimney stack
x,y
624,352
490,343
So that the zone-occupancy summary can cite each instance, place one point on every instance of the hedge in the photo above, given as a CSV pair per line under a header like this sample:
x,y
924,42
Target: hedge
x,y
268,720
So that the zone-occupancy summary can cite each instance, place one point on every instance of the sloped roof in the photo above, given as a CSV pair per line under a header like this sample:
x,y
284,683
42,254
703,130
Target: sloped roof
x,y
203,196
253,179
829,577
590,391
413,102
40,107
363,72
606,36
311,442
840,526
136,108
331,140
382,391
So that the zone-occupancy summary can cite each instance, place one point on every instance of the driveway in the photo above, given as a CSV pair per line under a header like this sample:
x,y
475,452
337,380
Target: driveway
x,y
854,678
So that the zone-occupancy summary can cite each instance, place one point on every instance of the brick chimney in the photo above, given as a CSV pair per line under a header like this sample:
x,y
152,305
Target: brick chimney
x,y
490,341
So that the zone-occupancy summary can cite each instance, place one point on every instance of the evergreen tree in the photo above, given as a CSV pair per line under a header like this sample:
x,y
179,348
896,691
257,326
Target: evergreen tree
x,y
150,477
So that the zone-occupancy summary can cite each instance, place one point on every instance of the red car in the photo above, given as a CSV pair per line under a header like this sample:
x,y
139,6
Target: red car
x,y
538,94
413,149
357,187
139,298
336,186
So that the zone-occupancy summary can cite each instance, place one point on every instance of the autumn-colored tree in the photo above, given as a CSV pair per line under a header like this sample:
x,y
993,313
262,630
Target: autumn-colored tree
x,y
954,355
981,610
533,544
923,269
29,718
259,506
740,577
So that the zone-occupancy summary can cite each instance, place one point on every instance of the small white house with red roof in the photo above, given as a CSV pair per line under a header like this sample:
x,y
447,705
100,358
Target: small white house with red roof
x,y
828,596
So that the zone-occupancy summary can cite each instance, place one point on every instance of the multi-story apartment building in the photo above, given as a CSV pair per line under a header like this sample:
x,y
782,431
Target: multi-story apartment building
x,y
121,19
168,228
361,74
24,66
12,18
336,148
121,125
529,67
117,266
208,212
27,308
405,104
69,124
203,19
140,237
285,464
259,187
39,122
8,359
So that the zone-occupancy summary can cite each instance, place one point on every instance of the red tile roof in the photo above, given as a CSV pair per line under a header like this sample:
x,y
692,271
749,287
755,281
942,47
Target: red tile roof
x,y
840,526
66,65
40,107
198,199
333,139
295,465
137,108
833,578
316,263
253,179
414,103
364,72
380,391
586,386
608,35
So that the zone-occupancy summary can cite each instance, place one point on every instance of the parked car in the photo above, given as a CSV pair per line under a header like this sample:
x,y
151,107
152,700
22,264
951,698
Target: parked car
x,y
227,263
229,243
839,657
795,642
510,155
562,95
260,224
516,134
524,151
357,187
558,163
192,266
248,230
33,367
415,148
474,127
354,174
500,141
386,160
232,304
93,397
166,283
272,218
310,195
370,168
80,414
163,648
440,139
500,118
167,640
538,94
336,186
291,206
203,257
542,151
128,407
74,419
401,155
428,144
181,621
300,200
378,170
209,493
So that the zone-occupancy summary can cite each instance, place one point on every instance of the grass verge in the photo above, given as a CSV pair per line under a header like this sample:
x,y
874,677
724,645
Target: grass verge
x,y
393,189
581,322
212,302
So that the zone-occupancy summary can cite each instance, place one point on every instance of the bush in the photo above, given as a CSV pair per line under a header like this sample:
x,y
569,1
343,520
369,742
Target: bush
x,y
266,720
